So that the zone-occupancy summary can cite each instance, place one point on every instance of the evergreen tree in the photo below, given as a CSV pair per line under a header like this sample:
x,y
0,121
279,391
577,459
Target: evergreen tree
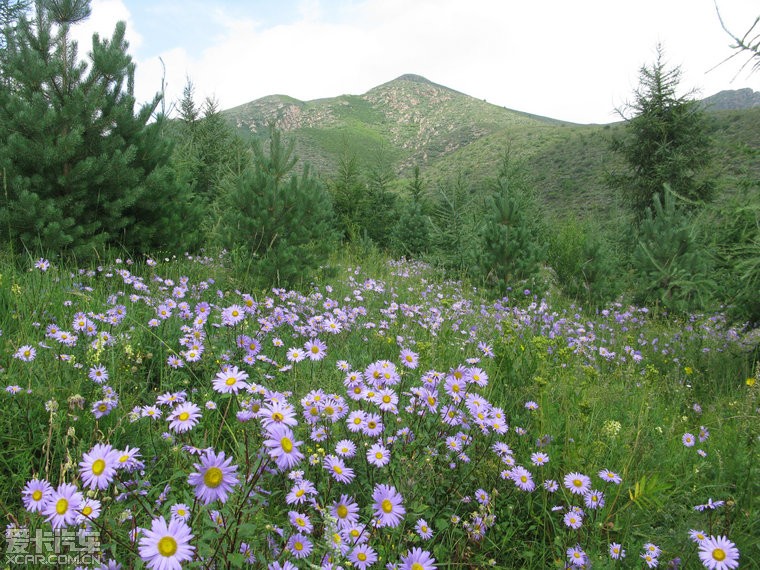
x,y
512,247
665,142
671,266
411,234
348,191
456,219
82,169
282,220
379,204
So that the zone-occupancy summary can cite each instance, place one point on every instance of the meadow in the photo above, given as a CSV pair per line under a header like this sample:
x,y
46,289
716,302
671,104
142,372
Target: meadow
x,y
382,417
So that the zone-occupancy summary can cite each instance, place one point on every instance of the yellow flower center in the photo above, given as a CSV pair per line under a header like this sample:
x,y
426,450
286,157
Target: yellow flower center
x,y
213,477
417,566
87,511
300,522
298,546
231,381
577,482
300,493
455,388
386,399
361,556
386,505
357,421
337,469
124,458
719,554
61,506
342,511
286,444
98,467
378,455
277,417
523,478
371,425
37,495
184,416
167,546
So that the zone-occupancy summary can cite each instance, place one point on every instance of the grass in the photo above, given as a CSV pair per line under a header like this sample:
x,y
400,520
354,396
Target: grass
x,y
614,390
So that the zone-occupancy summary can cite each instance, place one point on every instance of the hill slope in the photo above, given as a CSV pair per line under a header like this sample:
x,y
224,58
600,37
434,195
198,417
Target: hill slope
x,y
412,121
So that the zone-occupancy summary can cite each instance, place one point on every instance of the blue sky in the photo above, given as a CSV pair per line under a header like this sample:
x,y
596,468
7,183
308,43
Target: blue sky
x,y
576,61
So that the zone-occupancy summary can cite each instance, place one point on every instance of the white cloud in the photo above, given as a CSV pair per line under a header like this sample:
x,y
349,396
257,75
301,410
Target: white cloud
x,y
569,60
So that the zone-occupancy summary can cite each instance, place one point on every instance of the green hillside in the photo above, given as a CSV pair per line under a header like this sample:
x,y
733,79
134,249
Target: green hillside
x,y
413,121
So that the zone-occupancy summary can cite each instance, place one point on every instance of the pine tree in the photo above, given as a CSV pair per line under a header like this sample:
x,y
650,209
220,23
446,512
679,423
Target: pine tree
x,y
665,142
671,266
348,191
455,223
411,234
379,204
281,220
512,249
82,169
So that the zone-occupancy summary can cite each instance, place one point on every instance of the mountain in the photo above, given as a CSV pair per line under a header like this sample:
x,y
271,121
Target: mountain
x,y
411,121
731,100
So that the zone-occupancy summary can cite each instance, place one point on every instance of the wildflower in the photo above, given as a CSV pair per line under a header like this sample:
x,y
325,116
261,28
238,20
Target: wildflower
x,y
409,358
98,374
98,466
282,448
650,560
616,551
551,485
26,353
539,459
611,476
215,477
338,469
576,556
345,511
36,494
89,510
573,519
688,440
345,448
594,499
577,483
718,553
388,505
363,556
299,545
232,315
230,380
711,505
300,492
417,559
61,509
704,433
531,405
165,547
180,511
315,349
697,536
42,264
522,479
423,529
378,455
184,417
300,521
295,355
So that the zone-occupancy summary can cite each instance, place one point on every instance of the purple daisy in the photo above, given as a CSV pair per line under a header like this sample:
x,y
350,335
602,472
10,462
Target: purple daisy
x,y
215,477
388,505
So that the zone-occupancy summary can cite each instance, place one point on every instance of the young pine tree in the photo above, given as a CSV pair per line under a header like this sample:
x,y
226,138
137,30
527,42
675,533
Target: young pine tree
x,y
281,220
671,267
82,170
411,234
512,245
665,142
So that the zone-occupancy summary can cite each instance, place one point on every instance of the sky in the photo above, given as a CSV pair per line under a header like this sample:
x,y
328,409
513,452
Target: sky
x,y
574,60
